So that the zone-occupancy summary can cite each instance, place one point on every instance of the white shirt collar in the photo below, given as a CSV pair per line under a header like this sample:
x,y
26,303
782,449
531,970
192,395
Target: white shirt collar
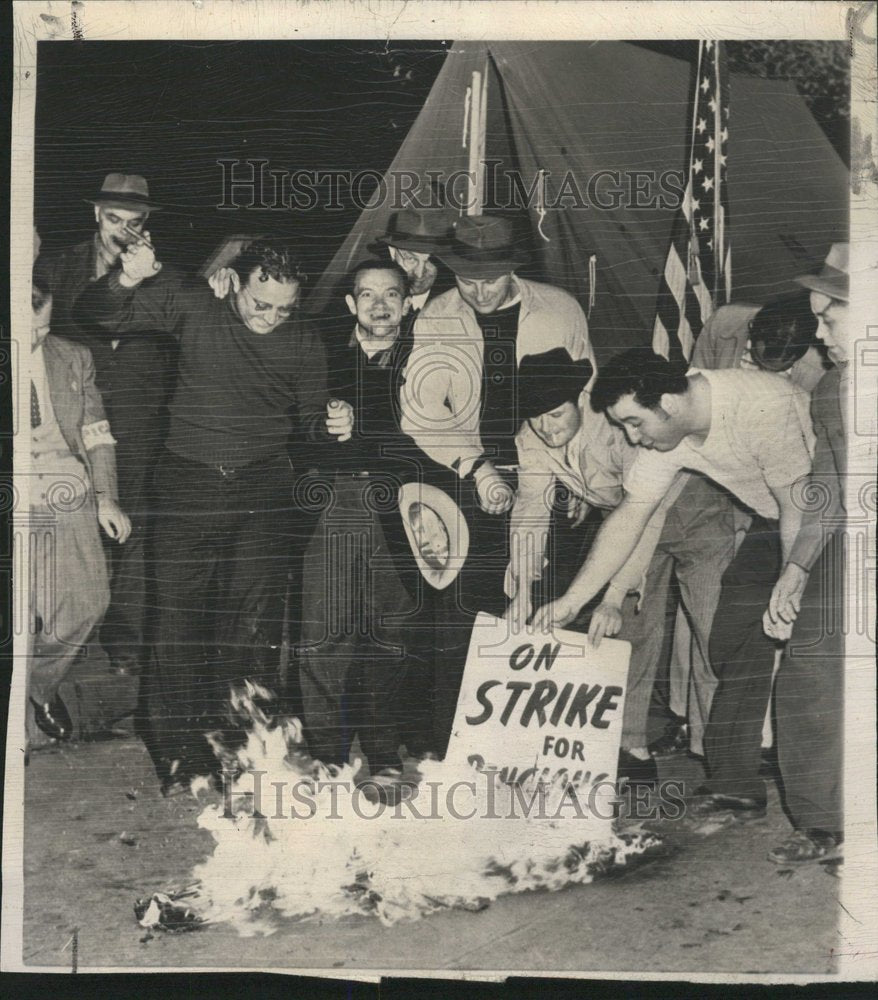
x,y
372,347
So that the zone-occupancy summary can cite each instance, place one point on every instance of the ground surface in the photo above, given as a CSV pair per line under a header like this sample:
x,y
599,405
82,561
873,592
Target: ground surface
x,y
98,835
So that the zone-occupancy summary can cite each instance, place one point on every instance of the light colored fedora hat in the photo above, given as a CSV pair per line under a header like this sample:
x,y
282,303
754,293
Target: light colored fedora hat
x,y
436,531
834,279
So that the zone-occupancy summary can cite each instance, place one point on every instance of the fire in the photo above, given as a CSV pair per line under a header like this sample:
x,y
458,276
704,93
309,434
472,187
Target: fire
x,y
295,839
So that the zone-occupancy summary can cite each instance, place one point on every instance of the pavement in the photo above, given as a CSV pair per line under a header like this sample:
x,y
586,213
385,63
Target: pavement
x,y
98,835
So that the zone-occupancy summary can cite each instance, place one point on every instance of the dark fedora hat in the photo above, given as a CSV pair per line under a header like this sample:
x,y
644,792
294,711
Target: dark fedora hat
x,y
424,230
128,191
483,247
547,380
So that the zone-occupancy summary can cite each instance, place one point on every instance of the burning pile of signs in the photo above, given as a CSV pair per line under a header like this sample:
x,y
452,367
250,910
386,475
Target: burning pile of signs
x,y
295,839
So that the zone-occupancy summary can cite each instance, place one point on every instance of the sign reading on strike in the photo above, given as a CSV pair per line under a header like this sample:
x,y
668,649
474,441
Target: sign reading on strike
x,y
534,706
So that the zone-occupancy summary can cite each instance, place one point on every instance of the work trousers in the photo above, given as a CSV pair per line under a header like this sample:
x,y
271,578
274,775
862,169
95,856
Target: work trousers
x,y
742,657
221,562
809,699
697,545
357,618
68,592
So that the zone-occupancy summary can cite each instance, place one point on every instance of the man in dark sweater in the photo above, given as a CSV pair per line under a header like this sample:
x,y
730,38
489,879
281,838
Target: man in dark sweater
x,y
224,481
359,586
133,376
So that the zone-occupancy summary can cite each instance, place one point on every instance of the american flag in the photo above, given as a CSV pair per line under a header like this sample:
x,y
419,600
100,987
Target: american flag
x,y
698,270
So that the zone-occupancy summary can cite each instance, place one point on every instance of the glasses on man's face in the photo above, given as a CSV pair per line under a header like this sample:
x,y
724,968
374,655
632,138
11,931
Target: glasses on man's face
x,y
284,312
406,257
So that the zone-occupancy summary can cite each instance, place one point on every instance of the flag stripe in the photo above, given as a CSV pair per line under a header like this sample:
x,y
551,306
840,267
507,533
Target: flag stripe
x,y
697,273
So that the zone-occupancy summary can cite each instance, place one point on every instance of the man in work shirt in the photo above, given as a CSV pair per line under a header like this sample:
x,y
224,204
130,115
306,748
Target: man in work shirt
x,y
564,442
751,433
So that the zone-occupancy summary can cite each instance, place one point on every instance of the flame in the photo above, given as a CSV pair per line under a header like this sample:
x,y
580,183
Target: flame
x,y
344,854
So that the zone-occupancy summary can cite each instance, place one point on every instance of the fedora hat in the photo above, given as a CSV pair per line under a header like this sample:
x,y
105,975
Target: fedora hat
x,y
424,230
483,247
834,279
547,380
436,531
128,191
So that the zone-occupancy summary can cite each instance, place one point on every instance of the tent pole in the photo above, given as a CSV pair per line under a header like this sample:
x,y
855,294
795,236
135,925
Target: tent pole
x,y
483,128
476,144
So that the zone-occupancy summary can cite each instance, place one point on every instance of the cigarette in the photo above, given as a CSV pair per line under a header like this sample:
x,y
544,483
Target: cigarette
x,y
139,237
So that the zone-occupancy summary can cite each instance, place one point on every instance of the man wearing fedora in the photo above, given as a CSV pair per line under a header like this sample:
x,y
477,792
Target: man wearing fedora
x,y
414,236
808,602
133,375
749,432
459,403
460,389
564,445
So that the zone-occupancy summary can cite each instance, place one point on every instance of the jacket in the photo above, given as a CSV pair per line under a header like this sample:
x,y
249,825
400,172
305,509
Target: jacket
x,y
79,411
441,392
134,377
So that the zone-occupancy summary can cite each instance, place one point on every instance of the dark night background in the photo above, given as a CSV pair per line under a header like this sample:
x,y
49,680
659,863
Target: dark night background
x,y
170,110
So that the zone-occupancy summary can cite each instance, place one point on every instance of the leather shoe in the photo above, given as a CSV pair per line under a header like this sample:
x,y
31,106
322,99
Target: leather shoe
x,y
387,786
53,718
637,771
807,846
706,803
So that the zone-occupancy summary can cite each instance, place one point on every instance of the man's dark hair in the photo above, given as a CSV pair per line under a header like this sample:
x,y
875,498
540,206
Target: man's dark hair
x,y
782,331
639,372
274,261
377,265
40,294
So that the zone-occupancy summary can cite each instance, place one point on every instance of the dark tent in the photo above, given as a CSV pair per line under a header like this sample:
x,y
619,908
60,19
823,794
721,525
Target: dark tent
x,y
592,115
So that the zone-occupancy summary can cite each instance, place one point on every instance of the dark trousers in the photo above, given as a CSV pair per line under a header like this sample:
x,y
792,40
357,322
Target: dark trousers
x,y
356,616
742,657
124,632
478,587
134,380
221,560
809,700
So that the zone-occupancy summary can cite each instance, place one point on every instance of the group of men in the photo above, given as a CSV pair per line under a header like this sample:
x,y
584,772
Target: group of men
x,y
449,425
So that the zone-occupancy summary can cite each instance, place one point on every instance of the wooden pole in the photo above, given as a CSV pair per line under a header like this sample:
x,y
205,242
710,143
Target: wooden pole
x,y
473,206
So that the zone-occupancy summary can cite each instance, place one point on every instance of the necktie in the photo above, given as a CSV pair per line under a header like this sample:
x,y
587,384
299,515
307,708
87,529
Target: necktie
x,y
35,418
